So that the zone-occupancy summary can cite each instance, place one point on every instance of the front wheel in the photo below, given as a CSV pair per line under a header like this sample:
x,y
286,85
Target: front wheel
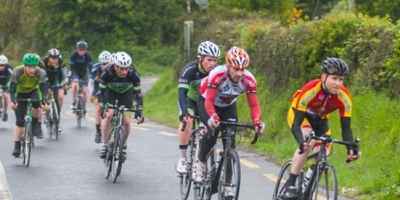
x,y
28,142
185,179
229,182
79,111
327,184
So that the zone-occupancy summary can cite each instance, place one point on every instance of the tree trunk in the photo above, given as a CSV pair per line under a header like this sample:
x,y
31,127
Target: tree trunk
x,y
352,6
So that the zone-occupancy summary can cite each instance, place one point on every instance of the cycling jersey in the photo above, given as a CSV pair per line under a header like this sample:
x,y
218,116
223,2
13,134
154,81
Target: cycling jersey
x,y
5,76
228,91
21,82
110,81
57,75
95,74
189,84
80,64
313,100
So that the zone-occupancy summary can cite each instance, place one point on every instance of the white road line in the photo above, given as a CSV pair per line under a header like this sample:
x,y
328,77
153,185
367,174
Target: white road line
x,y
5,193
168,134
139,128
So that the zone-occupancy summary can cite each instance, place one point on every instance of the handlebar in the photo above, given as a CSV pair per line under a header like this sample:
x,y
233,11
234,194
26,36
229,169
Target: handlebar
x,y
184,122
122,108
244,126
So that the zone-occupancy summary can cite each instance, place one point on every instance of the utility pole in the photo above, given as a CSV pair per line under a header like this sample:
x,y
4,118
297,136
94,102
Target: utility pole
x,y
352,6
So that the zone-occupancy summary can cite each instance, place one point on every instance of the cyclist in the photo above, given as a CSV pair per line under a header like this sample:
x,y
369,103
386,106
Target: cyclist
x,y
188,89
94,79
5,76
56,71
27,81
80,62
309,110
217,101
121,81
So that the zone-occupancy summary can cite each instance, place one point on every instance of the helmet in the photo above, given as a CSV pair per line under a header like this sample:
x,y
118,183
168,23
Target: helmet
x,y
31,59
105,57
237,57
81,45
335,66
208,48
122,59
3,60
53,53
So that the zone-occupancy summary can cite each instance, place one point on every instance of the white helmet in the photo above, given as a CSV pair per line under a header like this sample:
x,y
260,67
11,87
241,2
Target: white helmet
x,y
105,57
122,59
3,60
208,48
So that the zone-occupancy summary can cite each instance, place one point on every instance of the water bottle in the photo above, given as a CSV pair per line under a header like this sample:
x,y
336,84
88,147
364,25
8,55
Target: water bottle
x,y
307,177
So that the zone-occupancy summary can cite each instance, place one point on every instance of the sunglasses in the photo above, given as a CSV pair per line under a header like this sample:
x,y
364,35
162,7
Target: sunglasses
x,y
123,68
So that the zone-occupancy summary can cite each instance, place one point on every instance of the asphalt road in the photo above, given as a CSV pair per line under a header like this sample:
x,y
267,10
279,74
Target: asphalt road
x,y
70,168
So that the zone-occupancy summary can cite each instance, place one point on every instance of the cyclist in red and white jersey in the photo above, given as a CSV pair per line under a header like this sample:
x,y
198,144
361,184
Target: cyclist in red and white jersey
x,y
219,92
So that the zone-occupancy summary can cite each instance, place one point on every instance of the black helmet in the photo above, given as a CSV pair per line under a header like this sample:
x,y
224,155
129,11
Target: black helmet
x,y
335,66
81,45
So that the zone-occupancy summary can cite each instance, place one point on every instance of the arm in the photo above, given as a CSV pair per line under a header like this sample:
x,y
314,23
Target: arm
x,y
254,105
137,91
209,102
296,126
347,133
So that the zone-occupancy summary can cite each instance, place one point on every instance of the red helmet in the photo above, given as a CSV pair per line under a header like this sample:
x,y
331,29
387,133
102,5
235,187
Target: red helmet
x,y
237,58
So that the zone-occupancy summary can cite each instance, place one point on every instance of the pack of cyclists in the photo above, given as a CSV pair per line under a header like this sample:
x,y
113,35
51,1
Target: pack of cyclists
x,y
205,89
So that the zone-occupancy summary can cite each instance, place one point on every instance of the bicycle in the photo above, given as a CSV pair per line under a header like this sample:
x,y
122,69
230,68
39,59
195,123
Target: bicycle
x,y
228,161
314,188
27,139
112,161
195,136
80,106
52,117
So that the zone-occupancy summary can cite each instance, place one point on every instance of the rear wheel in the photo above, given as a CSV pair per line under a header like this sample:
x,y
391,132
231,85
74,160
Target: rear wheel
x,y
230,176
327,184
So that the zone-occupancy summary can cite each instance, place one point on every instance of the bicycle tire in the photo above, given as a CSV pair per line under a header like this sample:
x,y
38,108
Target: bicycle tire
x,y
108,160
210,169
1,106
281,183
49,121
327,183
120,154
79,111
115,157
185,179
56,119
232,161
28,141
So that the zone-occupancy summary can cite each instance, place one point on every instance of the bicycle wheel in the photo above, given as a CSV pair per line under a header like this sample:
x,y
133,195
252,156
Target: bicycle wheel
x,y
280,185
326,184
210,173
79,111
115,157
108,160
28,137
1,106
185,179
56,119
230,176
49,121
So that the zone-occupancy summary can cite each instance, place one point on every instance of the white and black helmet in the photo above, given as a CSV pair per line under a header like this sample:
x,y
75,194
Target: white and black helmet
x,y
122,59
53,53
105,57
335,66
208,48
3,60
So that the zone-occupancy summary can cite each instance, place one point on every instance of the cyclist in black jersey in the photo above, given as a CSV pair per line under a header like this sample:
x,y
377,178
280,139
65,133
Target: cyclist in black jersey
x,y
27,82
5,76
188,92
105,57
57,77
121,81
80,63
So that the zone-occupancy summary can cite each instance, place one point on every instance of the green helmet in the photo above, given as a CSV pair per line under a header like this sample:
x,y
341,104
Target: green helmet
x,y
31,59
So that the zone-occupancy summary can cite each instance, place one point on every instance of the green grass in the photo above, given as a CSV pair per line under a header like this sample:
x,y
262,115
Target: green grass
x,y
375,120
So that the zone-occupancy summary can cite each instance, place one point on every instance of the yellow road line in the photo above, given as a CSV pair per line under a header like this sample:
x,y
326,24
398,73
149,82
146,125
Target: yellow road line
x,y
248,163
168,134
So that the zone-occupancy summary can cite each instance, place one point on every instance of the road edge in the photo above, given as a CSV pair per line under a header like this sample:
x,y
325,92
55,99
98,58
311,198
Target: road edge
x,y
5,193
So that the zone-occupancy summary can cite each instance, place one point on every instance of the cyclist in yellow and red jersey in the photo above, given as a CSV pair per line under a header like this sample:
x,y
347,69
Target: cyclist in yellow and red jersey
x,y
217,101
309,110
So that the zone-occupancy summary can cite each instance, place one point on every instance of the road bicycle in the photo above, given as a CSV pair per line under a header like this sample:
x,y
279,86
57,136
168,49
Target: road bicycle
x,y
52,117
113,161
80,106
27,139
222,169
195,137
323,181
